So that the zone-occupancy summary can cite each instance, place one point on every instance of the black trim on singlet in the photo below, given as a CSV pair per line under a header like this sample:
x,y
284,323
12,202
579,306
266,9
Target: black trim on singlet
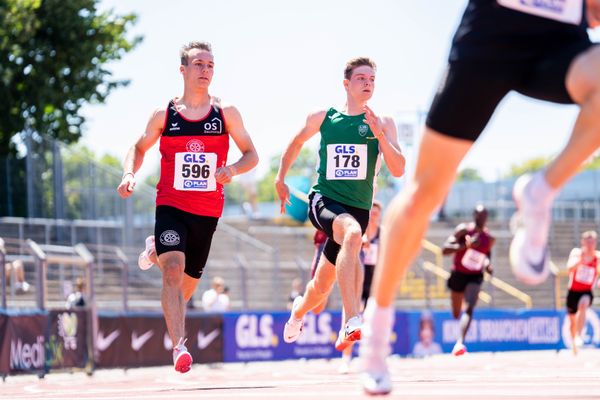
x,y
213,124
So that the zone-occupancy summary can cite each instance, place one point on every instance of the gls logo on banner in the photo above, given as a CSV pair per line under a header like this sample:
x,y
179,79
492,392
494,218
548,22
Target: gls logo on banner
x,y
27,356
317,329
252,331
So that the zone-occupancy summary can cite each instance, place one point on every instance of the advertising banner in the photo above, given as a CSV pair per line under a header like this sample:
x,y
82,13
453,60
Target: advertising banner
x,y
259,336
498,330
141,339
22,348
66,339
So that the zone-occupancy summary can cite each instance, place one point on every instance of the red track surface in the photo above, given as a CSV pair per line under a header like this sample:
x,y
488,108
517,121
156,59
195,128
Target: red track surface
x,y
515,375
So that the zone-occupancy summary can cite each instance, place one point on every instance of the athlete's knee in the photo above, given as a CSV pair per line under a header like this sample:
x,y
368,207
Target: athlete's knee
x,y
172,273
584,303
583,82
353,236
469,310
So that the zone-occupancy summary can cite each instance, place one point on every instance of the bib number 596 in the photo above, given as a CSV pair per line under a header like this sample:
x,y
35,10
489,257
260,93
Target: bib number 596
x,y
195,171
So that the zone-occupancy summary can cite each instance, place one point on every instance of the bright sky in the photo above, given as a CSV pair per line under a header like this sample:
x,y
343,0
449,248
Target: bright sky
x,y
276,61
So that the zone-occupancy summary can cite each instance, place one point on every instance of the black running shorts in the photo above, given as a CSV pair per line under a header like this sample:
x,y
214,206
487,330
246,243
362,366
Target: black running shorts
x,y
573,300
323,210
458,281
177,230
496,50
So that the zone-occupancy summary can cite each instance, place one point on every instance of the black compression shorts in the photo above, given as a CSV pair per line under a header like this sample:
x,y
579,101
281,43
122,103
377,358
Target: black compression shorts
x,y
496,50
323,210
177,230
573,299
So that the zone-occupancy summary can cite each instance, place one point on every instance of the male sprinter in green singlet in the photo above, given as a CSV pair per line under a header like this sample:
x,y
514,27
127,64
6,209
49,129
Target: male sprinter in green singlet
x,y
352,139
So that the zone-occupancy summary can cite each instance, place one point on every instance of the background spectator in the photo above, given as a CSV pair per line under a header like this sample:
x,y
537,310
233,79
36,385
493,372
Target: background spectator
x,y
216,299
77,298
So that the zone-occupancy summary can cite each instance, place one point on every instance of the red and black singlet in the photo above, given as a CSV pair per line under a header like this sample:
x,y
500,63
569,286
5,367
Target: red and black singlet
x,y
191,152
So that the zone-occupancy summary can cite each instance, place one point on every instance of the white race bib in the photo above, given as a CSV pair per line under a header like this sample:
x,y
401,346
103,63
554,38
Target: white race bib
x,y
195,171
585,274
473,260
346,161
371,253
569,11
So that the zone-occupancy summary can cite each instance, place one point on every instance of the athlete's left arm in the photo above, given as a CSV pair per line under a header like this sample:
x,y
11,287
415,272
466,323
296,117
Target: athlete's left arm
x,y
237,131
384,130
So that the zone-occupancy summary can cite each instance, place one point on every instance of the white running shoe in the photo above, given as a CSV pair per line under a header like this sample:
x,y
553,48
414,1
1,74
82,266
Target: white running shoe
x,y
293,327
578,341
374,349
351,333
182,359
459,349
144,260
528,252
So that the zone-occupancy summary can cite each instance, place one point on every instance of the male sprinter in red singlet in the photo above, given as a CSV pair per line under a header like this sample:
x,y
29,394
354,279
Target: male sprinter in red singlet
x,y
194,133
583,273
471,245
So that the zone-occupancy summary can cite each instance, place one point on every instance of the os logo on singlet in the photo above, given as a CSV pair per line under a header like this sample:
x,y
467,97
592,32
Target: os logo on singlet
x,y
215,125
346,161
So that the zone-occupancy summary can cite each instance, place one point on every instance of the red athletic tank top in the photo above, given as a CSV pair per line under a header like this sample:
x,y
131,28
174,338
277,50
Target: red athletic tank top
x,y
583,277
473,259
191,152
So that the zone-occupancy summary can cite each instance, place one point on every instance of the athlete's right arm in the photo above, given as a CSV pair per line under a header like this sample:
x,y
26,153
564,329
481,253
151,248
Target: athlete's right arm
x,y
574,258
311,127
135,155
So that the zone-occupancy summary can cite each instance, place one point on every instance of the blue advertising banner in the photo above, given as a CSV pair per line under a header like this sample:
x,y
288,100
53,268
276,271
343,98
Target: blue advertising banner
x,y
259,336
498,330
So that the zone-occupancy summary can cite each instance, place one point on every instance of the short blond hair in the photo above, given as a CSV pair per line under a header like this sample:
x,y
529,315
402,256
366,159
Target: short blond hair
x,y
358,62
589,235
218,281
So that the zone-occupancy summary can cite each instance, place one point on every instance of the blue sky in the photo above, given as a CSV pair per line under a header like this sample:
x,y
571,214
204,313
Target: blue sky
x,y
276,61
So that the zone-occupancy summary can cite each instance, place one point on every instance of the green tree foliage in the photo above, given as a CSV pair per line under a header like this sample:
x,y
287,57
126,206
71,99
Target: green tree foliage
x,y
531,165
89,180
593,163
469,174
54,55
